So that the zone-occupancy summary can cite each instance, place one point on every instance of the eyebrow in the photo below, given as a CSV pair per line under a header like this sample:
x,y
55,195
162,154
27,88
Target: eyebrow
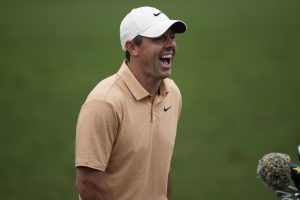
x,y
171,32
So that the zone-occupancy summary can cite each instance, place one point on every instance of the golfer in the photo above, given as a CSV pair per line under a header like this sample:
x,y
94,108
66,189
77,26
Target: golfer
x,y
126,128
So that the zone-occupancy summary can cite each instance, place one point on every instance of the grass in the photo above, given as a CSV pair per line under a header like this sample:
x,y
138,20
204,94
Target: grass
x,y
237,67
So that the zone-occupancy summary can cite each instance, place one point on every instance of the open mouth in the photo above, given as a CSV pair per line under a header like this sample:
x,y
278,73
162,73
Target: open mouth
x,y
166,59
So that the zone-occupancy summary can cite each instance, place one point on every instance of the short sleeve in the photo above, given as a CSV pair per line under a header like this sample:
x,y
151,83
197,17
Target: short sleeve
x,y
96,132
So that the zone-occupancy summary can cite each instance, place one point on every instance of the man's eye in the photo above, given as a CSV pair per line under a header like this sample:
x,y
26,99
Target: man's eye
x,y
157,38
164,37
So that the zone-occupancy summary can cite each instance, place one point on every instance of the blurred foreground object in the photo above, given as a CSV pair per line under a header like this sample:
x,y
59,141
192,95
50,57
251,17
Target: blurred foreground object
x,y
274,170
277,172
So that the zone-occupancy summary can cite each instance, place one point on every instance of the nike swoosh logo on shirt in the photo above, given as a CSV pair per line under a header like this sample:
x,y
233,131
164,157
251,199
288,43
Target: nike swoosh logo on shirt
x,y
166,109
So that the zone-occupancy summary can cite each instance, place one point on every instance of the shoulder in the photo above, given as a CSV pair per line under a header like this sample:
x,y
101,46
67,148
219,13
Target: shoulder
x,y
172,87
108,92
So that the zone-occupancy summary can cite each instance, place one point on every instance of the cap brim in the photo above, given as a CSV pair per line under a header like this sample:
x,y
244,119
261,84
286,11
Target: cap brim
x,y
161,27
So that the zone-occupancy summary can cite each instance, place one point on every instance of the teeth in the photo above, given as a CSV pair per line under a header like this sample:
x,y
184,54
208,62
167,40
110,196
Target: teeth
x,y
167,56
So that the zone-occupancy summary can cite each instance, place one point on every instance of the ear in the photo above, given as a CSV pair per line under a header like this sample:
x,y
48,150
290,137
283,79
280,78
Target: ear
x,y
131,48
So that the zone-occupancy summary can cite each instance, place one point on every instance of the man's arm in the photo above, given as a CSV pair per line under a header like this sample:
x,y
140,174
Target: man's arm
x,y
169,191
91,184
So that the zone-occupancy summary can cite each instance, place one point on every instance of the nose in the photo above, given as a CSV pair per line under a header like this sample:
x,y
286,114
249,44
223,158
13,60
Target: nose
x,y
170,42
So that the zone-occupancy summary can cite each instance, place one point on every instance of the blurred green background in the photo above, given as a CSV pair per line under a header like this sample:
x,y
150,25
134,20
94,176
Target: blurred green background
x,y
237,67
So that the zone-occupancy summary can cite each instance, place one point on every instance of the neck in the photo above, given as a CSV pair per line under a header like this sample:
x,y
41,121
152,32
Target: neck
x,y
150,84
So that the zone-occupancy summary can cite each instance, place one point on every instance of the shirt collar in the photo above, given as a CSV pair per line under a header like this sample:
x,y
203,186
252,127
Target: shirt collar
x,y
132,83
135,87
163,89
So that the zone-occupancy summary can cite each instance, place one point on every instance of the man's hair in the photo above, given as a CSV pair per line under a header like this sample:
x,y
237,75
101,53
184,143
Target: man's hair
x,y
137,41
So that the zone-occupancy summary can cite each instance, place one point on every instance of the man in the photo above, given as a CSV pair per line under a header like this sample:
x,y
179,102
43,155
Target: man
x,y
126,128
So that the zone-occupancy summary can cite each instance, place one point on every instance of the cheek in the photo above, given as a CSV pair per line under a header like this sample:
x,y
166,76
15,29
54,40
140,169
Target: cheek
x,y
175,49
146,52
149,53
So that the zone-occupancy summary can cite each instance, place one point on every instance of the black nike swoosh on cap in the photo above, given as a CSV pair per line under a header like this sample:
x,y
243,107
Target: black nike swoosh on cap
x,y
156,14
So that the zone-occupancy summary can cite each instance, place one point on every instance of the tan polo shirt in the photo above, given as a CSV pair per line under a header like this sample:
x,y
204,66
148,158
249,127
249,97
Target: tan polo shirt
x,y
119,131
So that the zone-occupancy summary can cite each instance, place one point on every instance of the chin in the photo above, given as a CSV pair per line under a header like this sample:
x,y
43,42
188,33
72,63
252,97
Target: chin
x,y
166,75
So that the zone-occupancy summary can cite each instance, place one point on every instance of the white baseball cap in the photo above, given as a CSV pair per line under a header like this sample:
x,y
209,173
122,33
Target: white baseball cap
x,y
148,22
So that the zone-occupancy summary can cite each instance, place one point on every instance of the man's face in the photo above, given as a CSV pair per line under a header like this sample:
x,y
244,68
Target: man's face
x,y
155,55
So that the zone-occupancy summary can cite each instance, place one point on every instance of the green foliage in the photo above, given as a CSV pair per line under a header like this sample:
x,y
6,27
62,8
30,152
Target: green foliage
x,y
237,67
